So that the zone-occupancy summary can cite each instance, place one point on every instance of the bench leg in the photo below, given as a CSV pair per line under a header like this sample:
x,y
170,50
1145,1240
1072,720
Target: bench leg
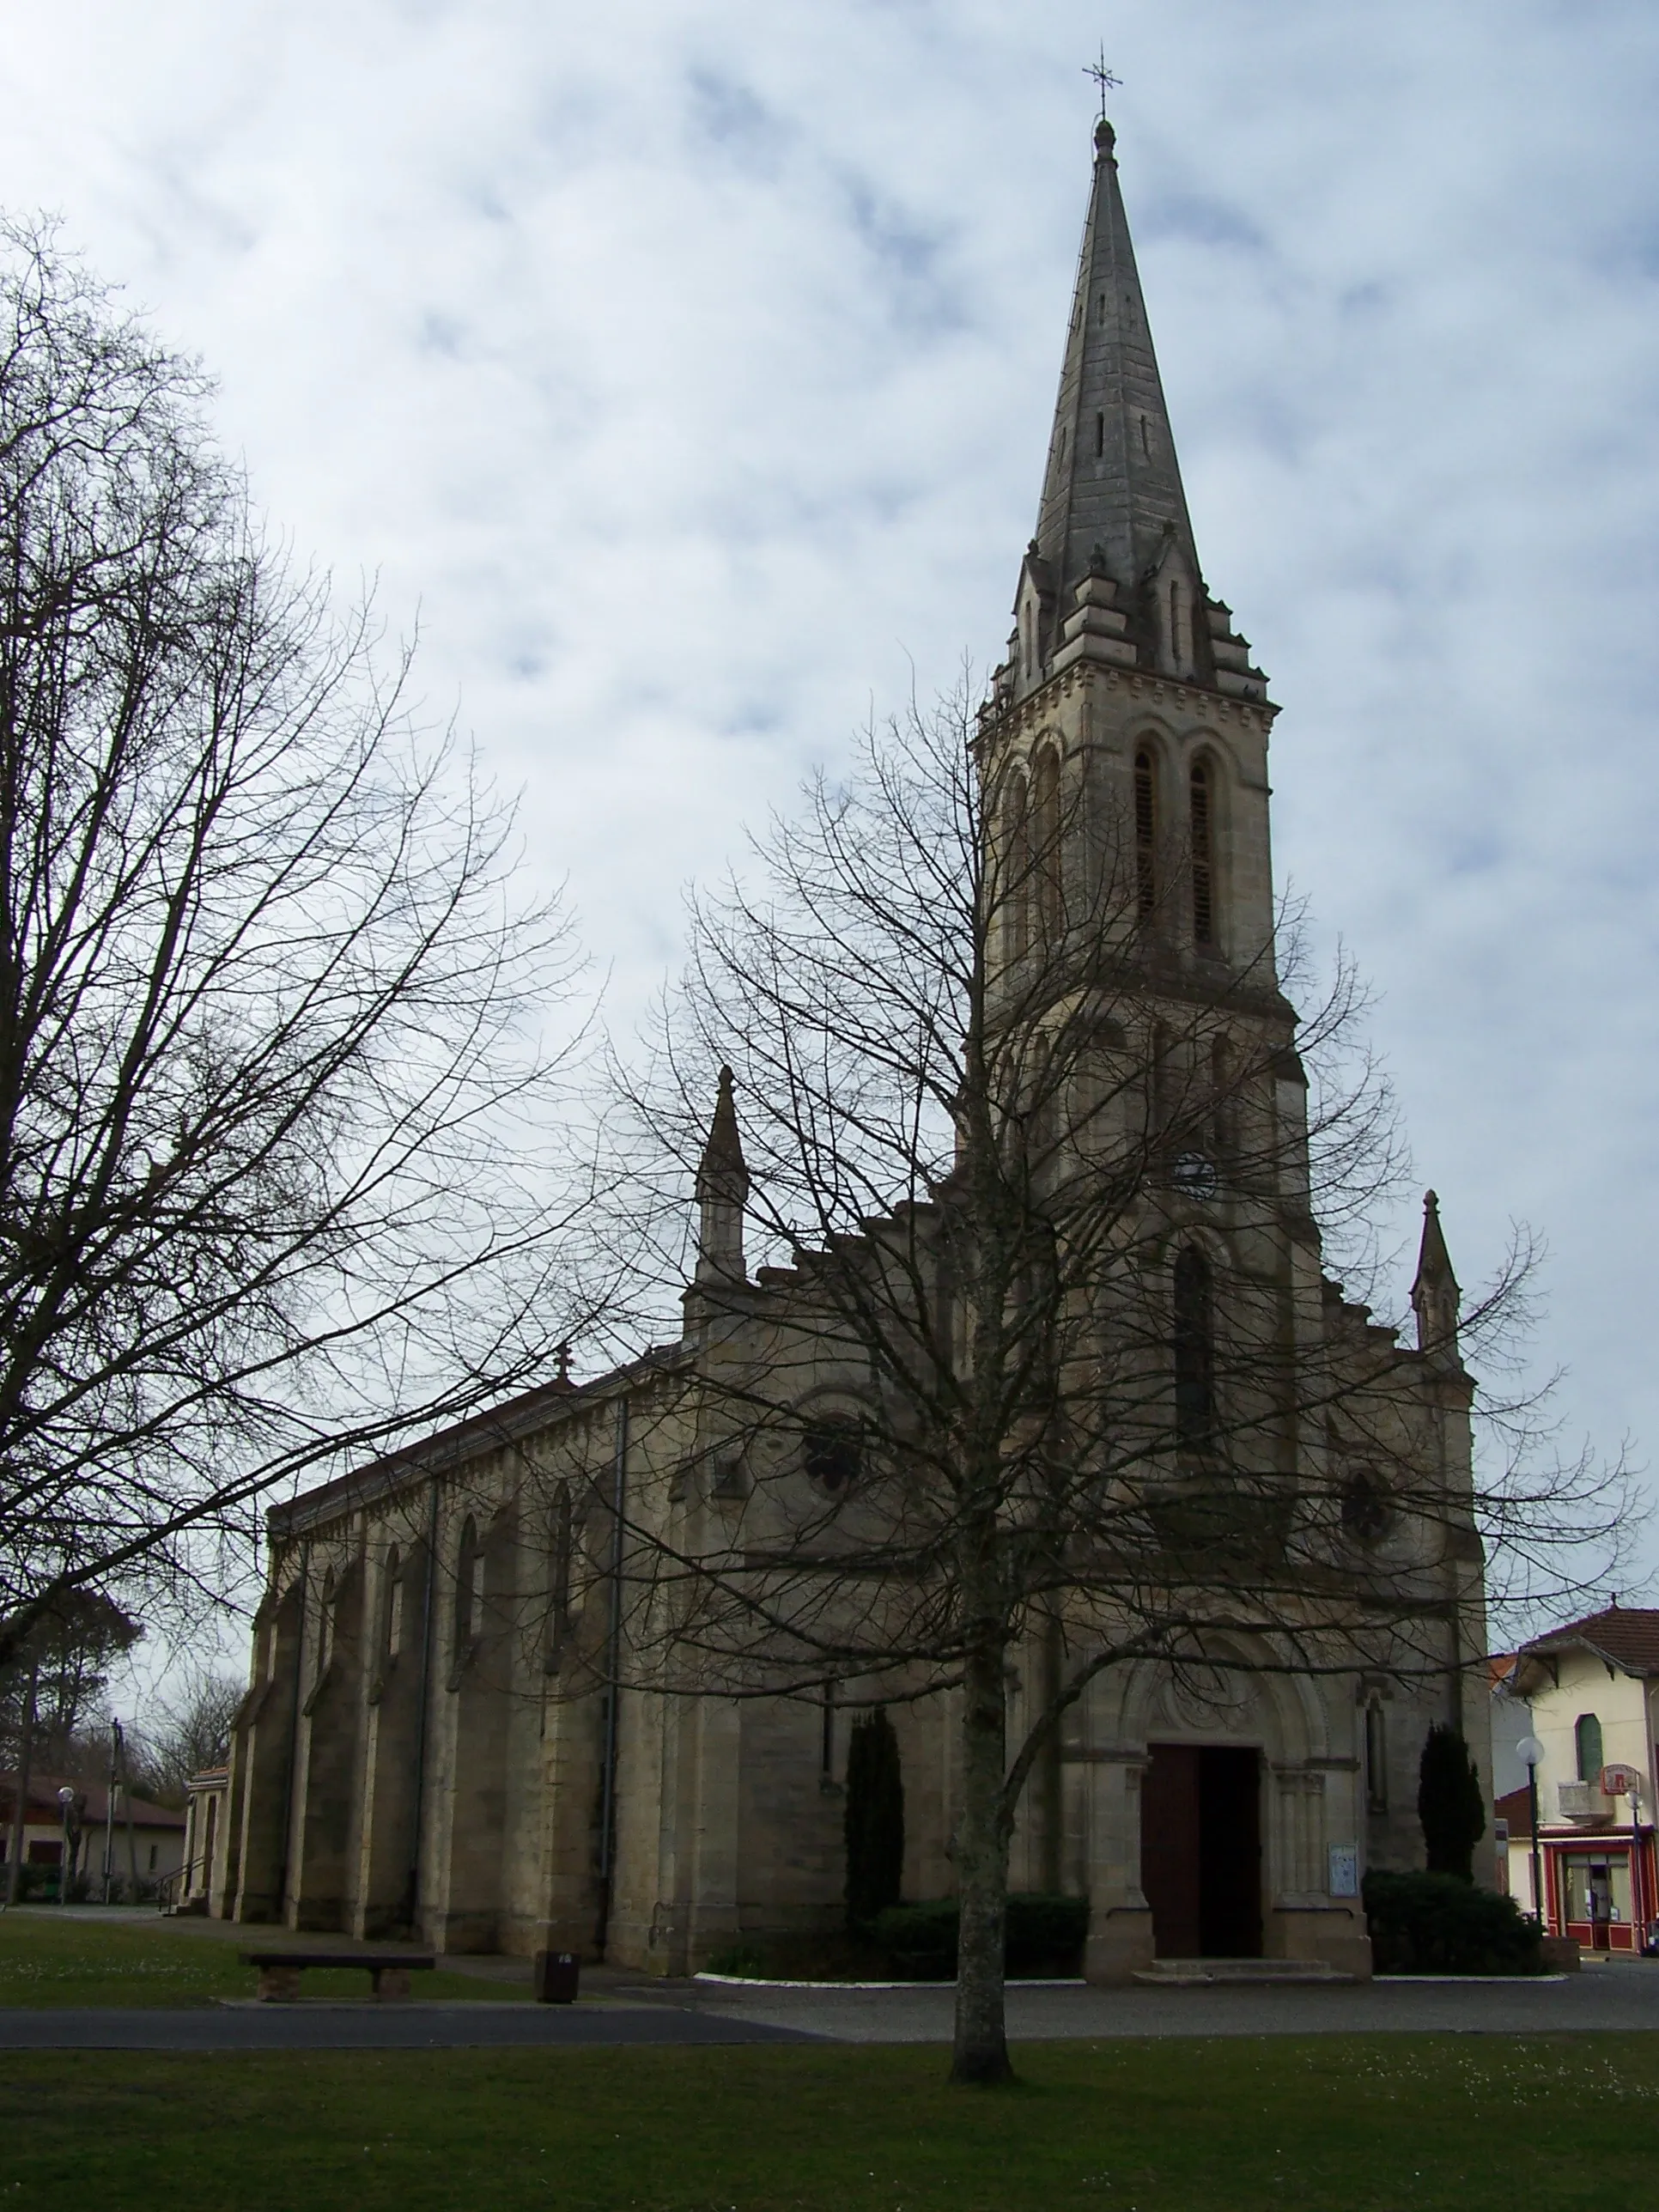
x,y
391,1981
279,1984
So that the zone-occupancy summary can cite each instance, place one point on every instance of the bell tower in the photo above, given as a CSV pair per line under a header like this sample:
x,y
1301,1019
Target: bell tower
x,y
1124,669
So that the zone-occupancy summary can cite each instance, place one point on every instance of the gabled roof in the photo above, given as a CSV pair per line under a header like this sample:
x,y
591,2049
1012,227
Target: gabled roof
x,y
505,1424
1627,1636
43,1804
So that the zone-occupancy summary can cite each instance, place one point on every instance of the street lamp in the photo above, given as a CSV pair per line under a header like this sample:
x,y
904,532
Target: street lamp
x,y
1532,1752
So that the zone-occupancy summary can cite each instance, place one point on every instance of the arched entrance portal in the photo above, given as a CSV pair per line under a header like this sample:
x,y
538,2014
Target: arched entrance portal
x,y
1201,1850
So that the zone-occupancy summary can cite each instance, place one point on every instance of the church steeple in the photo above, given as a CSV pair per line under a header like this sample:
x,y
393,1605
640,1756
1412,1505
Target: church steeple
x,y
1113,572
1113,480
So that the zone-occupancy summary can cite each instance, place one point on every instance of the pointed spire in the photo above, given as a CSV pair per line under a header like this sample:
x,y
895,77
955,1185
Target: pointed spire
x,y
1113,572
722,1192
1113,479
1435,1294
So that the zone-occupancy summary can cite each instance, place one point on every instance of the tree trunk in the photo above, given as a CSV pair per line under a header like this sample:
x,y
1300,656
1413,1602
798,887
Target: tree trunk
x,y
980,2054
21,1786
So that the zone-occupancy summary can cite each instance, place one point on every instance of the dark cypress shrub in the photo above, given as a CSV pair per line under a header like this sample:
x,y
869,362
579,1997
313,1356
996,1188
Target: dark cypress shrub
x,y
1450,1803
874,1823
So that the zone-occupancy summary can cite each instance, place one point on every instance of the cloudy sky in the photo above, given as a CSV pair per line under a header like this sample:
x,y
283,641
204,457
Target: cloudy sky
x,y
687,371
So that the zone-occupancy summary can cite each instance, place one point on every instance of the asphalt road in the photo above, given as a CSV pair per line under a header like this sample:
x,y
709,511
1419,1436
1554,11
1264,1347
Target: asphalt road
x,y
377,2027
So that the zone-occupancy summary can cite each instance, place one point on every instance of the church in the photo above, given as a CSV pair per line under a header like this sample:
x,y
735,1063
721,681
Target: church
x,y
420,1752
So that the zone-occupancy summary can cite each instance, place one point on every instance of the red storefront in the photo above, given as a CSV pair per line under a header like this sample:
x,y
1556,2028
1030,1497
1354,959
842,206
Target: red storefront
x,y
1601,1886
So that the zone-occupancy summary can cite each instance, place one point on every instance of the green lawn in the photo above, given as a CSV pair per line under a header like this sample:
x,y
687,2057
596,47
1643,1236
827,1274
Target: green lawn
x,y
79,1961
1383,2124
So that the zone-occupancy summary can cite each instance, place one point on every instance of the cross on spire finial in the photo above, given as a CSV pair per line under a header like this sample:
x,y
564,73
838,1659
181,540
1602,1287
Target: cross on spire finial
x,y
1103,77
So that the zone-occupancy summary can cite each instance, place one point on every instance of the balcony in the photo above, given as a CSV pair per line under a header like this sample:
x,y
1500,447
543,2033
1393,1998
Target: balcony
x,y
1583,1803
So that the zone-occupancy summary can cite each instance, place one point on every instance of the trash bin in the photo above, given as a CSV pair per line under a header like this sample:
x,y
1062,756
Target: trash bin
x,y
557,1974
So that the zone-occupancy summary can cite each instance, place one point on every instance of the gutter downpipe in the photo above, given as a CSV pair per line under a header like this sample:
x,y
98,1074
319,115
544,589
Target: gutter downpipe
x,y
412,1894
613,1688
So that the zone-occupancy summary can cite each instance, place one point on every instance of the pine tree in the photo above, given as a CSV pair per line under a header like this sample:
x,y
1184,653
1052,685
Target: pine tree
x,y
874,1821
1450,1803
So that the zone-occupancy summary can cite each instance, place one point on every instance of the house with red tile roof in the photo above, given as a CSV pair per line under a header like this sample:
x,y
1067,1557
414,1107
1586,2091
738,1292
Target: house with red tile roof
x,y
1592,1688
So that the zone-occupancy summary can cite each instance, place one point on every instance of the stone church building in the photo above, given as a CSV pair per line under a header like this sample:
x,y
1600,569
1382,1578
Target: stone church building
x,y
411,1757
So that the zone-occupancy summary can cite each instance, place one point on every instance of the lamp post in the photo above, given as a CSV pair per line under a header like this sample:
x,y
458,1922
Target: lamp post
x,y
1532,1750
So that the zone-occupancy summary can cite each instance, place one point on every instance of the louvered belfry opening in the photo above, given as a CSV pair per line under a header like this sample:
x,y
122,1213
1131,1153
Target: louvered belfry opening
x,y
1203,828
1145,832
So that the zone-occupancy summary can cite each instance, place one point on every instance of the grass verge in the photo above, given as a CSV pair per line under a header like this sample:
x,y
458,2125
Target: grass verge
x,y
77,1962
1384,2123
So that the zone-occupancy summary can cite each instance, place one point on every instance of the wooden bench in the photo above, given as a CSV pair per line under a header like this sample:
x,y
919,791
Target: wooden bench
x,y
280,1971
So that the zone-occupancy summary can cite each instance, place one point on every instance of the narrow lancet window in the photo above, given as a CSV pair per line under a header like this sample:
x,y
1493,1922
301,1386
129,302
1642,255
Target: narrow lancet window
x,y
1203,822
1045,791
1376,1759
1145,834
1016,859
1194,1351
325,1622
561,1534
1222,1084
466,1588
1100,436
391,1606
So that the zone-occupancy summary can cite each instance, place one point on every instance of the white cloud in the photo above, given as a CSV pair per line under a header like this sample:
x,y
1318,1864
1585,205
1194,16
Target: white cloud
x,y
689,368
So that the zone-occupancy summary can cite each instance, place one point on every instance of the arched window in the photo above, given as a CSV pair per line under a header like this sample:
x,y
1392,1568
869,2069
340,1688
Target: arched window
x,y
1587,1742
392,1606
1194,1351
1045,811
1145,832
1201,794
1178,631
1017,856
466,1587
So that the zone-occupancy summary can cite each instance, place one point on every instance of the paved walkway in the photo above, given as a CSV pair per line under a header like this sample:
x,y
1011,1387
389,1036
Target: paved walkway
x,y
1619,1998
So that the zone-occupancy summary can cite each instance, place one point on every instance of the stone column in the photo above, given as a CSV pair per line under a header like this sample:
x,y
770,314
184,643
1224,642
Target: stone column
x,y
1121,1920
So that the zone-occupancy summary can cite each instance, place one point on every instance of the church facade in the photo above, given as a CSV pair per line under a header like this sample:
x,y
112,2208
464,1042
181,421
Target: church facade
x,y
417,1754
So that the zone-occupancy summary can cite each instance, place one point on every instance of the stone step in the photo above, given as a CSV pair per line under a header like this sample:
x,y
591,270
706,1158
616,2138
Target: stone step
x,y
1211,1973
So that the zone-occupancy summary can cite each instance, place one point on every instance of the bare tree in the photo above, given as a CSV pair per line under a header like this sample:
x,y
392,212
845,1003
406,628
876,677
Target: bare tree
x,y
187,1735
1044,1375
275,1113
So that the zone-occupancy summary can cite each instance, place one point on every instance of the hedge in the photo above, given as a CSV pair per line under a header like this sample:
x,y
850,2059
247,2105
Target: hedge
x,y
1045,1936
1435,1923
